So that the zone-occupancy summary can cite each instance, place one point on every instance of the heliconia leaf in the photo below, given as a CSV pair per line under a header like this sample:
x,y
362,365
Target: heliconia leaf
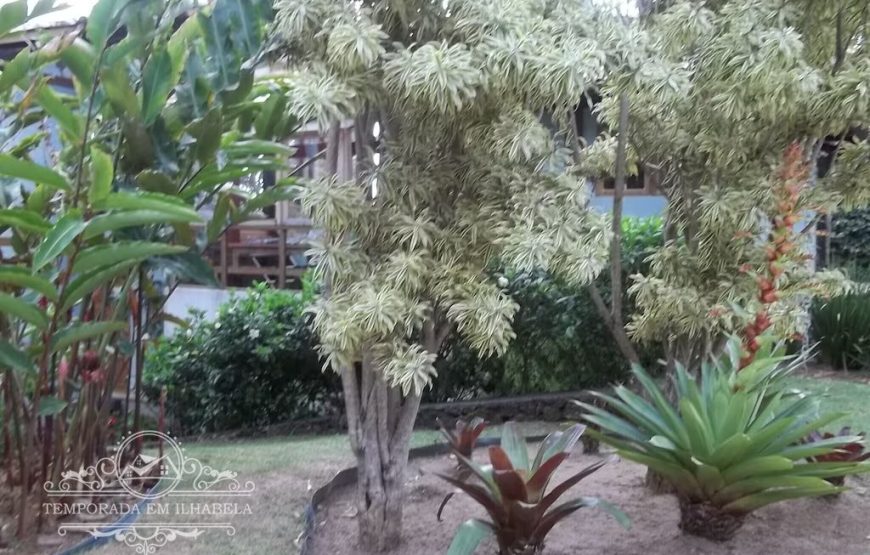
x,y
79,331
23,169
80,58
21,277
190,266
165,204
120,92
207,132
499,459
102,175
218,221
11,357
24,220
110,254
515,446
68,121
87,282
57,240
49,406
12,15
156,84
510,484
468,537
102,22
15,70
129,218
19,308
156,182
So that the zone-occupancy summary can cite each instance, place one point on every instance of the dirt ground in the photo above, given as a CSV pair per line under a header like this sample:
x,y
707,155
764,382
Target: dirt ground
x,y
801,527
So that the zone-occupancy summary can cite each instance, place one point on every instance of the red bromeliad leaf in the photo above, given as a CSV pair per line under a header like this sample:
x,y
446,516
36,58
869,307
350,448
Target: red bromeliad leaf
x,y
539,480
553,517
482,496
559,490
499,459
511,485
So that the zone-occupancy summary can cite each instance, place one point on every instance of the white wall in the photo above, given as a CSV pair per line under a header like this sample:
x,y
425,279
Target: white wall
x,y
186,297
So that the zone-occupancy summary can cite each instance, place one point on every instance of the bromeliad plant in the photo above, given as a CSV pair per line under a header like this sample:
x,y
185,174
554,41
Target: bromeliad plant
x,y
731,444
513,490
851,452
464,435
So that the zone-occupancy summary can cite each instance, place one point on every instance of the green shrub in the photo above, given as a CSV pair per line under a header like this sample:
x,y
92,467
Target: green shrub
x,y
562,344
850,238
841,325
255,364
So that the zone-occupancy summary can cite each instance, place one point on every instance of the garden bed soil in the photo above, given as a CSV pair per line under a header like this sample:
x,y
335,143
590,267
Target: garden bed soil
x,y
800,527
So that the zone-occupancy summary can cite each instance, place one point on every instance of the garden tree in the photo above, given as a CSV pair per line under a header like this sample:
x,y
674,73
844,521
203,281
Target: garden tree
x,y
460,173
164,112
716,98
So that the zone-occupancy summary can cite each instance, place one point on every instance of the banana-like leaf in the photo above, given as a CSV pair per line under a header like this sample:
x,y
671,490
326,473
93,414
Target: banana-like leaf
x,y
102,175
101,256
88,282
102,22
49,406
24,169
57,240
19,308
16,70
24,220
156,202
157,83
12,15
67,120
11,357
81,59
79,331
21,277
131,218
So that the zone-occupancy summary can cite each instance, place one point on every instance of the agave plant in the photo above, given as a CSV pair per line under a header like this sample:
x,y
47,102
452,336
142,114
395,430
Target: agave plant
x,y
851,452
730,444
513,491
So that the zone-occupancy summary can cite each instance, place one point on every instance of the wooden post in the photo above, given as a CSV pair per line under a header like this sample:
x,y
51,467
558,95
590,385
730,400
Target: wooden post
x,y
282,257
224,261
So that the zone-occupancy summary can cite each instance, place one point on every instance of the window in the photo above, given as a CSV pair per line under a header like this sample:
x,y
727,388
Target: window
x,y
644,183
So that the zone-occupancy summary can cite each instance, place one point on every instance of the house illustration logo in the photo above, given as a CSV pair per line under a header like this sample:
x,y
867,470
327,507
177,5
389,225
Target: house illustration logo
x,y
151,477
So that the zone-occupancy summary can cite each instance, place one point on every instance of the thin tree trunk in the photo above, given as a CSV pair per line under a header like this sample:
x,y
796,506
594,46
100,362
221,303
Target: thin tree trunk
x,y
612,315
380,421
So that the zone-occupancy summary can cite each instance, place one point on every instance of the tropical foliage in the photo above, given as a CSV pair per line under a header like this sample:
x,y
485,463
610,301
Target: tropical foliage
x,y
731,443
158,118
514,491
455,170
717,92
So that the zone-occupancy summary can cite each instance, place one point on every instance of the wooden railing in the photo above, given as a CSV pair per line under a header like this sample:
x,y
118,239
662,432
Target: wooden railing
x,y
273,252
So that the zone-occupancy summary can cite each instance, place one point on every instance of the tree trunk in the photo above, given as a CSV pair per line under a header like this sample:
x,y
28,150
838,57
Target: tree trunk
x,y
707,521
380,421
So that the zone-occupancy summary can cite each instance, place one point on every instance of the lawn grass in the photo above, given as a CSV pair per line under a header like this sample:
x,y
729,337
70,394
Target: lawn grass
x,y
847,396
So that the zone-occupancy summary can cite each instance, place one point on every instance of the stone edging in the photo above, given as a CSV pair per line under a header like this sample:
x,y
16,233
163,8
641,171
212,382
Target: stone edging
x,y
347,477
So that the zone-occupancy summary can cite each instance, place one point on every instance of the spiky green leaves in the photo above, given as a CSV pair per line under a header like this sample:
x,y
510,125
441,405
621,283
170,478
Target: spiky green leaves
x,y
732,441
435,76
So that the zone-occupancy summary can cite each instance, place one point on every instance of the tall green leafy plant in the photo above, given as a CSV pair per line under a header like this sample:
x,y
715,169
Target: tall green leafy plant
x,y
731,443
153,127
